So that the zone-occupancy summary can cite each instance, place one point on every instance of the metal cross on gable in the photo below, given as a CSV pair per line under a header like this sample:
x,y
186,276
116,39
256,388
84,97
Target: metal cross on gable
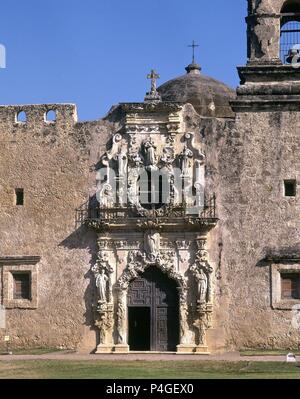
x,y
194,45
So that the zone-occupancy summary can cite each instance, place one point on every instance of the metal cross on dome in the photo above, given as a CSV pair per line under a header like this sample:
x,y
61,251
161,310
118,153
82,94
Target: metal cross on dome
x,y
194,45
153,75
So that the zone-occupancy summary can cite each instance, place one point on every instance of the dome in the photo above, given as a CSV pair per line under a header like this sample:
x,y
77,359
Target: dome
x,y
208,96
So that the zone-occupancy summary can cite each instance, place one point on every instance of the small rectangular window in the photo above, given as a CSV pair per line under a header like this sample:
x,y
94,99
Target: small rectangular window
x,y
19,194
21,286
290,286
290,188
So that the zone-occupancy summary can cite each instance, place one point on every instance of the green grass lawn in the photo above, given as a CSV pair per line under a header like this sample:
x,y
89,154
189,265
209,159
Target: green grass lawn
x,y
54,369
268,352
32,351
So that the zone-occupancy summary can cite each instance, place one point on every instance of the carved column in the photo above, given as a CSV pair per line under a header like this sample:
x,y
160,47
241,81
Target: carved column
x,y
183,316
122,345
104,322
202,272
103,310
183,252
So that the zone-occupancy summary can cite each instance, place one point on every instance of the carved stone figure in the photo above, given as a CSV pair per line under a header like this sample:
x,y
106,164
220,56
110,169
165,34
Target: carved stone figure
x,y
185,157
152,245
106,197
168,155
101,284
202,281
122,161
121,318
183,313
150,157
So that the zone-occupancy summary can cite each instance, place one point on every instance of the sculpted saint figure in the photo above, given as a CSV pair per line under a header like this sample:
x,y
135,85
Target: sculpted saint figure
x,y
101,284
185,157
152,244
122,163
150,153
202,286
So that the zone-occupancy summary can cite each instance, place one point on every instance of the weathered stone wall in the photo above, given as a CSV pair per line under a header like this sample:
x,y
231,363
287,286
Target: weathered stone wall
x,y
52,162
249,162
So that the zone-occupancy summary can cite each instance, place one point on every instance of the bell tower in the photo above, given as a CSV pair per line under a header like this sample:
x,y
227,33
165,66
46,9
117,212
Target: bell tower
x,y
270,81
263,33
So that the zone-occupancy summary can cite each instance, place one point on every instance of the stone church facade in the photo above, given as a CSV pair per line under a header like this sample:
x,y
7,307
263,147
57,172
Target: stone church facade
x,y
169,225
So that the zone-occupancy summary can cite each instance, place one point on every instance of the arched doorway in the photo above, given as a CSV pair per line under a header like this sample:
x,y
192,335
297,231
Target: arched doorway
x,y
153,312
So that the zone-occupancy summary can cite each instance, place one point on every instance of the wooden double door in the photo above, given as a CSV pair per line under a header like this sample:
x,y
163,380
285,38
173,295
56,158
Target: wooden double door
x,y
153,312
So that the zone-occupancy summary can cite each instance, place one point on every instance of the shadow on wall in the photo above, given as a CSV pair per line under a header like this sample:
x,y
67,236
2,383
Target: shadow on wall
x,y
85,238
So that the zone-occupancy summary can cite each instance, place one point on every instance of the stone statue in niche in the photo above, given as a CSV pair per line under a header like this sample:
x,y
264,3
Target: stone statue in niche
x,y
101,284
121,159
152,245
185,158
150,157
202,282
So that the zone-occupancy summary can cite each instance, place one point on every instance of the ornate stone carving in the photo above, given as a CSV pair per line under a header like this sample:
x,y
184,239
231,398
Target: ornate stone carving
x,y
151,139
151,107
183,316
122,161
152,245
106,196
150,158
102,271
203,322
103,310
153,95
173,127
121,317
142,128
190,141
183,244
182,248
168,156
104,321
185,161
202,272
138,261
101,284
202,283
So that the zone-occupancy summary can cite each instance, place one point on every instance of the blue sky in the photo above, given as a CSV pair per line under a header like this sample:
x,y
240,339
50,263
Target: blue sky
x,y
96,53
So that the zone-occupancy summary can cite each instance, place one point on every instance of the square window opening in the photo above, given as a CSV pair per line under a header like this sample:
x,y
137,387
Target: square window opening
x,y
22,286
290,188
290,286
19,196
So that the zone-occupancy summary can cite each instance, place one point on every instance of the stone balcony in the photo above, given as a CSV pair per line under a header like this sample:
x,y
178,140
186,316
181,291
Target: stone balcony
x,y
167,218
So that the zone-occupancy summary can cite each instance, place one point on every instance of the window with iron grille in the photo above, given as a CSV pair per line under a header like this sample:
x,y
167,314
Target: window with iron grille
x,y
21,289
290,32
153,189
290,40
290,286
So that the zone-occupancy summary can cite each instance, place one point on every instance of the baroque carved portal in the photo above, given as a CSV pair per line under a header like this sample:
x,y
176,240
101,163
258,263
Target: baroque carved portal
x,y
152,277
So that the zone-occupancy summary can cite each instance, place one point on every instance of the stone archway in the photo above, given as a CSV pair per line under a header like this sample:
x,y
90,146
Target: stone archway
x,y
153,312
136,267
